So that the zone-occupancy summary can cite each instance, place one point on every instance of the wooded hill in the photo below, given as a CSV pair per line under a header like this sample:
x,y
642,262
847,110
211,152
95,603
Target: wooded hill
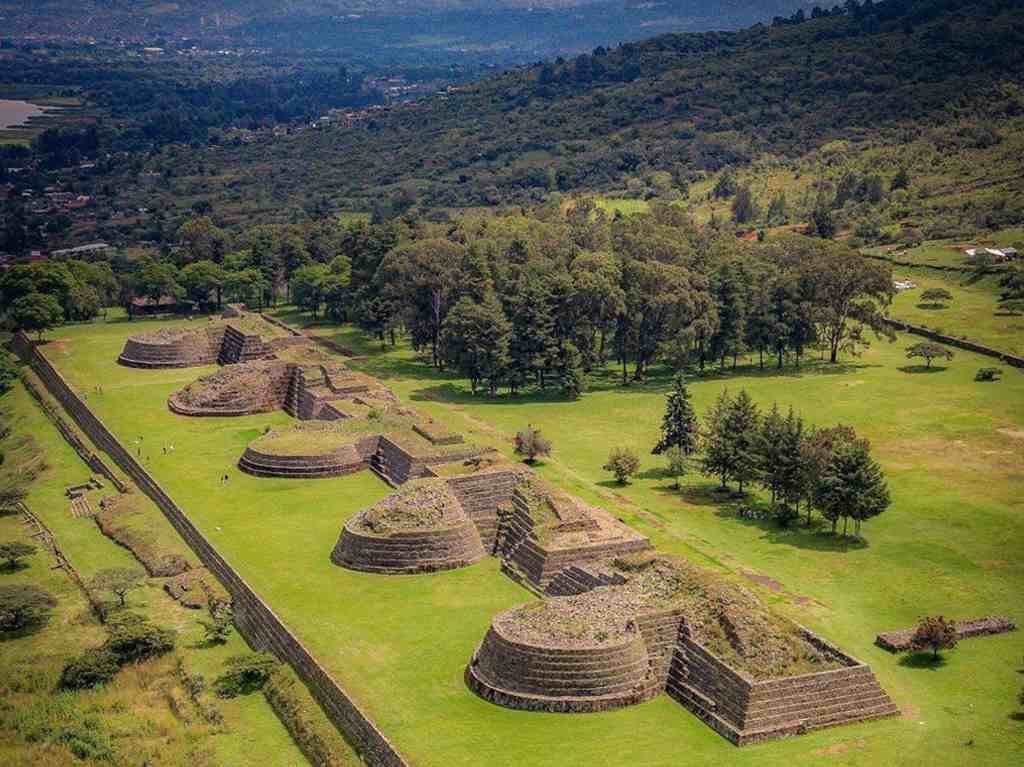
x,y
685,104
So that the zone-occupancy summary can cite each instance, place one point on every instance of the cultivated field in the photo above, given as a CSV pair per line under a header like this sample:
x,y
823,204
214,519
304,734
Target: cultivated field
x,y
951,447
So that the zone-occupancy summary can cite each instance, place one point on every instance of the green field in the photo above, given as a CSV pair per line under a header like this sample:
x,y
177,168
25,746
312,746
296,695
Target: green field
x,y
951,447
132,712
973,313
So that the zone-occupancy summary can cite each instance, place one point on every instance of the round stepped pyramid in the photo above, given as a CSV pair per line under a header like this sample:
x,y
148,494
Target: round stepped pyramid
x,y
172,348
421,528
575,654
344,460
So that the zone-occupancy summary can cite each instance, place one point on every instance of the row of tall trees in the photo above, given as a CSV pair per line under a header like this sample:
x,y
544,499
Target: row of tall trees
x,y
825,469
548,296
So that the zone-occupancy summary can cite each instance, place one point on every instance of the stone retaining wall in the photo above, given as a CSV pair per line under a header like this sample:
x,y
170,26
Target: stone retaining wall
x,y
960,343
747,711
899,641
256,621
90,458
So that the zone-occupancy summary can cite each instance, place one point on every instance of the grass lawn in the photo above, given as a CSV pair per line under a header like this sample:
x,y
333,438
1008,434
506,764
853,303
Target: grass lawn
x,y
952,450
973,312
133,709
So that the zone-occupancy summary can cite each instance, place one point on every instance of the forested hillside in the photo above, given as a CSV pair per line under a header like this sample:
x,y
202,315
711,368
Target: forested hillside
x,y
681,104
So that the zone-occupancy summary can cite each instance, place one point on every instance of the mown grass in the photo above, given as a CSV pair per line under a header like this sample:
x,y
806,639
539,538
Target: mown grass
x,y
951,449
132,714
973,312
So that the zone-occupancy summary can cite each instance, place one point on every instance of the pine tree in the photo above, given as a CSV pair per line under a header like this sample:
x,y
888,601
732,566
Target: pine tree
x,y
679,427
715,460
742,424
770,452
853,486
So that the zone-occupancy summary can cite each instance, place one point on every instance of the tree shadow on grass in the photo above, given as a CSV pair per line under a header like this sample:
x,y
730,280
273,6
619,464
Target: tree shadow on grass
x,y
9,569
796,533
931,307
923,660
914,369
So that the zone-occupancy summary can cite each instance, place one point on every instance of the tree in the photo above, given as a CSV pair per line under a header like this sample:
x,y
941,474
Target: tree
x,y
676,463
531,444
201,240
715,461
623,462
36,312
901,180
679,426
23,605
782,456
12,551
156,279
742,432
133,638
94,667
815,455
929,351
847,291
852,485
934,297
201,278
423,276
475,340
934,633
744,206
119,581
307,284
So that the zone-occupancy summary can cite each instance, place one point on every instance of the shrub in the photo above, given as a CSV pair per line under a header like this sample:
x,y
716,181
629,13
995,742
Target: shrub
x,y
934,633
133,638
12,551
988,374
623,462
90,669
530,444
22,606
245,674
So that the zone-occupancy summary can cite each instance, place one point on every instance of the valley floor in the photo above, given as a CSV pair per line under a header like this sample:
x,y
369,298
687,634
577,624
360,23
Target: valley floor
x,y
952,452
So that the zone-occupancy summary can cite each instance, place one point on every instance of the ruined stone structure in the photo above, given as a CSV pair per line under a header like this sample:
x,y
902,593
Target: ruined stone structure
x,y
218,343
173,349
899,641
620,636
422,528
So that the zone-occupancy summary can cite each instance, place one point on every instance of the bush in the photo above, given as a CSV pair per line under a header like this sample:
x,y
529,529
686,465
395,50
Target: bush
x,y
13,551
988,374
133,638
623,462
23,606
90,669
530,444
245,674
